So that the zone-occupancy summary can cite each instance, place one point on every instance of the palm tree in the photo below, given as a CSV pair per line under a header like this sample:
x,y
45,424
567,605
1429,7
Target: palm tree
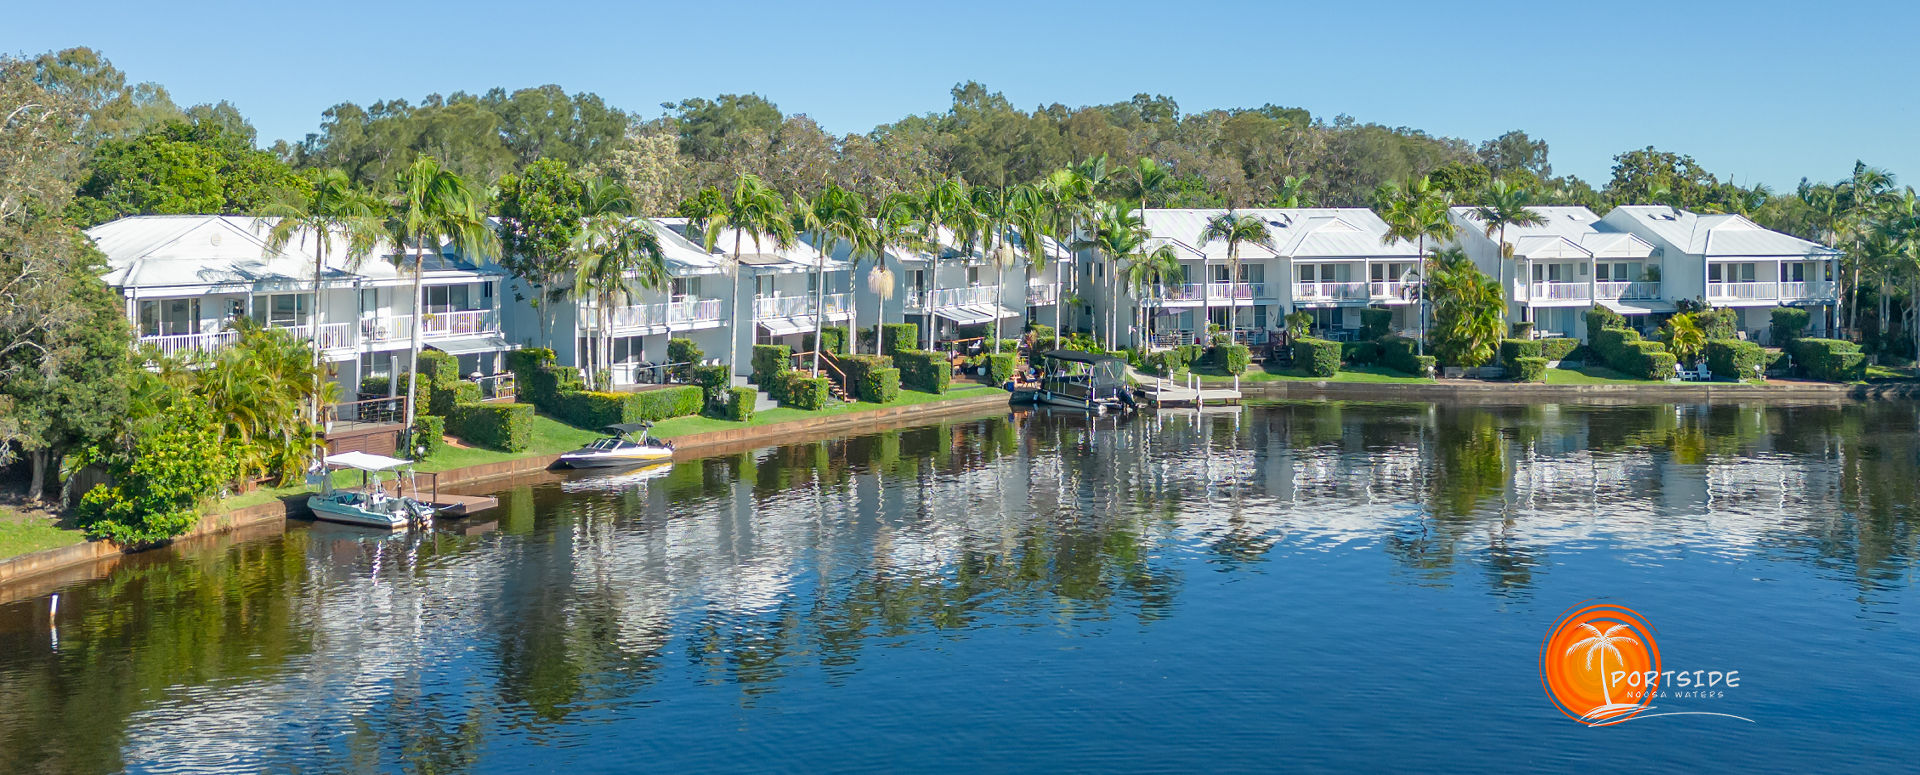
x,y
1292,192
1467,320
336,209
432,206
754,211
1029,214
993,207
1066,193
1860,198
1415,211
1602,644
891,227
945,204
614,255
1145,270
1115,231
1235,229
831,217
1505,205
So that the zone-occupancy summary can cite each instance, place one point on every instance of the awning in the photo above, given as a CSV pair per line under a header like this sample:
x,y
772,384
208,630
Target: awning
x,y
965,316
785,326
1638,307
471,344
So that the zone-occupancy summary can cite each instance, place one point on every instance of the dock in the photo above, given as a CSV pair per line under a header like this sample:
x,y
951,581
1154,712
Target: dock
x,y
1168,393
449,505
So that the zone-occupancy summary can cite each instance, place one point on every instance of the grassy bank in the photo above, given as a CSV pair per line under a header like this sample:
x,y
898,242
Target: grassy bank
x,y
21,533
687,426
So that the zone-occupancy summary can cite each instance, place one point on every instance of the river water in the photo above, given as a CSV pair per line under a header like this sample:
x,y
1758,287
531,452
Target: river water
x,y
1305,586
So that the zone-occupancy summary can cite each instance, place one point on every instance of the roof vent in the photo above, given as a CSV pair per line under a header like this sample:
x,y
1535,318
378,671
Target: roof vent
x,y
214,239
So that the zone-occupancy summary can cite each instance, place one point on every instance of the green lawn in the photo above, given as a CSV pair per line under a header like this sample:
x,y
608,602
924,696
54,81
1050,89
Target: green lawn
x,y
23,533
1591,375
1363,374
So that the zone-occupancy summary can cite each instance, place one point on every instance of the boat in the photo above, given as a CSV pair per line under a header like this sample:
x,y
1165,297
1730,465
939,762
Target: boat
x,y
620,449
1093,382
370,505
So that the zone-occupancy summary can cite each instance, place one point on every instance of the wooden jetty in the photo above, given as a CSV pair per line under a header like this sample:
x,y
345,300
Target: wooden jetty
x,y
1168,393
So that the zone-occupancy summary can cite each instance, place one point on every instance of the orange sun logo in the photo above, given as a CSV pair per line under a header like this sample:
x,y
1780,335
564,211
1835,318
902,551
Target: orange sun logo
x,y
1600,664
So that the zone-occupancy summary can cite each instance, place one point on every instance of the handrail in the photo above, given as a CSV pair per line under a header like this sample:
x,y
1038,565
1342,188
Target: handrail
x,y
829,361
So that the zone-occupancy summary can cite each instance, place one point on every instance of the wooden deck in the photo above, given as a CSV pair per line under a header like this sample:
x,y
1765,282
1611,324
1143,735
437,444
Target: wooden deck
x,y
1168,393
449,505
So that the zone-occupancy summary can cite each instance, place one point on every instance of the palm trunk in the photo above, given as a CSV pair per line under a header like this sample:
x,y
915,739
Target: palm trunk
x,y
853,305
819,303
999,292
319,263
733,337
1206,299
413,352
1420,345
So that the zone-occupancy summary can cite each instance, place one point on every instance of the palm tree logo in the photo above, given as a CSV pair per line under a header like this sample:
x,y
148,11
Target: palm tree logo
x,y
1612,638
1600,643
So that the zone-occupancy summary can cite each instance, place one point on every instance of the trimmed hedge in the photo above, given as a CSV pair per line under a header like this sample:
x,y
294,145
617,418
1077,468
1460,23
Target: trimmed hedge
x,y
1830,360
465,392
1397,353
1041,332
923,370
1318,357
529,359
1624,351
1000,367
1360,353
1734,358
1600,319
1522,329
769,360
795,389
712,380
1529,369
895,337
1557,348
590,409
1235,358
684,351
1720,323
505,427
740,404
439,381
375,386
859,370
1375,323
1512,350
429,431
835,338
1788,324
881,386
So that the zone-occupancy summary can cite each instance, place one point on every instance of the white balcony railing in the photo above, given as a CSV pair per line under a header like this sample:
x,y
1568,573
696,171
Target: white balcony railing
x,y
333,336
1387,289
767,307
971,296
1639,290
1332,291
178,344
1806,290
666,314
1557,292
1191,292
1042,294
1743,290
436,325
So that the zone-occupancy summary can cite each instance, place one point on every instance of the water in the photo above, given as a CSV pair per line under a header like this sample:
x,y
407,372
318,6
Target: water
x,y
1309,586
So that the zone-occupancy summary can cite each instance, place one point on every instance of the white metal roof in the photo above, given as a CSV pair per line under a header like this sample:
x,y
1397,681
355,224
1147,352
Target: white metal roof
x,y
1569,232
763,256
228,253
1718,235
1298,233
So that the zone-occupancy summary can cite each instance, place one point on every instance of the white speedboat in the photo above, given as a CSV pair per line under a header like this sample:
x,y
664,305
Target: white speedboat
x,y
370,505
625,446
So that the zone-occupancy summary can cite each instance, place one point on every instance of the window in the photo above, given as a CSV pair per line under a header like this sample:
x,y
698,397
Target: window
x,y
1307,273
449,298
1253,273
1260,317
1794,272
686,288
973,275
1600,272
1715,272
169,317
281,309
369,300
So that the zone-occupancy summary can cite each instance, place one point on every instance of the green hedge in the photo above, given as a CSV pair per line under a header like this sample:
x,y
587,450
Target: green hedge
x,y
834,336
923,370
375,386
795,389
1318,357
1512,350
1600,319
1000,367
1529,369
860,369
686,352
739,404
1779,360
1360,353
465,392
881,386
1041,332
1788,324
769,361
590,409
1235,358
505,427
1558,348
1830,360
439,378
529,359
1720,323
712,380
429,431
1734,358
1397,353
1375,323
1624,351
895,337
1522,329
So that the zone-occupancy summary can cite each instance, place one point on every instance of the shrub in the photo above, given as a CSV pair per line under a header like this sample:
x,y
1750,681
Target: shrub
x,y
375,386
1360,353
769,360
1397,353
1788,324
439,376
684,351
1235,358
924,371
1655,364
1190,354
1778,360
464,392
592,409
1040,332
1299,323
1318,357
429,432
881,386
1529,369
739,405
1163,363
835,338
1830,360
1719,323
1512,350
711,379
859,370
1734,358
1558,348
1624,351
1000,367
1602,319
158,488
505,427
1522,329
528,359
803,392
895,337
1375,323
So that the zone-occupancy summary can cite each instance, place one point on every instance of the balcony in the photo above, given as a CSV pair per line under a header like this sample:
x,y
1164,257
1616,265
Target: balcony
x,y
1194,293
332,336
1042,294
1639,291
1348,291
1806,290
687,313
1389,289
436,325
770,307
1744,291
181,344
972,296
1557,292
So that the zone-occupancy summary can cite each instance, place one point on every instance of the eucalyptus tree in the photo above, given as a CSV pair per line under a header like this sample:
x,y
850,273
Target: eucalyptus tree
x,y
614,255
834,216
431,207
1415,211
539,218
1504,205
334,211
1235,229
753,211
945,204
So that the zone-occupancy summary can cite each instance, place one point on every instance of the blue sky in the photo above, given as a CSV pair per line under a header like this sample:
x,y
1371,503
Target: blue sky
x,y
1760,91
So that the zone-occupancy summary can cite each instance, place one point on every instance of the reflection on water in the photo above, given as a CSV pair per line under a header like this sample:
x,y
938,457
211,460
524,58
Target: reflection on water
x,y
1040,591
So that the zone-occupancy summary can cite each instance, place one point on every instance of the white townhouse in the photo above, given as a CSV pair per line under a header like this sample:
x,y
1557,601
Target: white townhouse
x,y
693,306
1563,266
186,277
1328,262
961,288
779,292
1730,261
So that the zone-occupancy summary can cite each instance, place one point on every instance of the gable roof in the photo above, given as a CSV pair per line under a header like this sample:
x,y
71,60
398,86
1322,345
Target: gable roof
x,y
1298,232
1717,235
228,253
1568,232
